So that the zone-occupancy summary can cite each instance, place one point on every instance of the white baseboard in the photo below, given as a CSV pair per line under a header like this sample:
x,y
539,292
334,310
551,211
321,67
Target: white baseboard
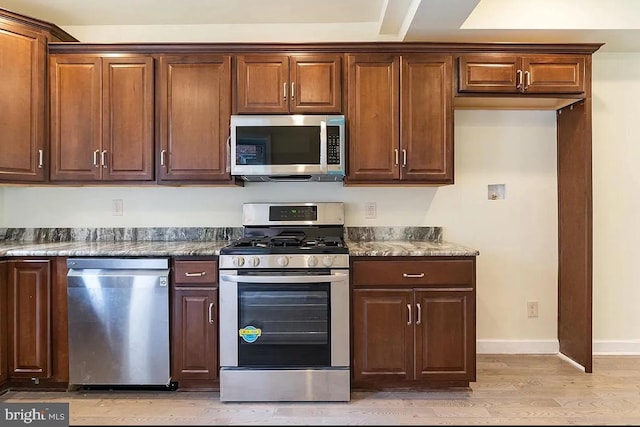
x,y
617,348
600,347
517,347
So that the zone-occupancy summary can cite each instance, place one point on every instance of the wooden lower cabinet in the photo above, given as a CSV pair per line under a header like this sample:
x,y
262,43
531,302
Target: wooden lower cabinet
x,y
194,348
420,335
29,311
33,323
3,323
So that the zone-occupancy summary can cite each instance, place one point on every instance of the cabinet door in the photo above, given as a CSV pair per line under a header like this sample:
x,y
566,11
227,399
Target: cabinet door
x,y
382,335
195,111
3,322
22,104
29,324
553,73
76,118
374,114
445,335
128,117
262,84
496,73
195,332
427,119
316,84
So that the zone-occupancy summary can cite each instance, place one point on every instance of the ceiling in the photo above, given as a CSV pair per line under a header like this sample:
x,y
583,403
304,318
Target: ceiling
x,y
613,22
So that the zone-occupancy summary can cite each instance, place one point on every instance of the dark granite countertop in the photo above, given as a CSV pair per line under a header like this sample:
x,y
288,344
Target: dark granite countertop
x,y
175,241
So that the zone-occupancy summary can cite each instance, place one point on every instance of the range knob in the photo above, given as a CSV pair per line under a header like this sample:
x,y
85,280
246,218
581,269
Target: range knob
x,y
327,261
312,261
283,261
254,261
238,261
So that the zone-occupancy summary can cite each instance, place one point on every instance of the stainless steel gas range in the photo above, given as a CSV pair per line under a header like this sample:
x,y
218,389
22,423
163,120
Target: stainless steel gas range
x,y
284,305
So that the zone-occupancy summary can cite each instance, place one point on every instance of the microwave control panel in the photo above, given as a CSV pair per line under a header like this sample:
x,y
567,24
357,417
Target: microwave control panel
x,y
333,145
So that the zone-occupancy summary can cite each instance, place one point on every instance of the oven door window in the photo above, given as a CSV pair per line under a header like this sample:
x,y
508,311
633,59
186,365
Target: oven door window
x,y
284,325
277,145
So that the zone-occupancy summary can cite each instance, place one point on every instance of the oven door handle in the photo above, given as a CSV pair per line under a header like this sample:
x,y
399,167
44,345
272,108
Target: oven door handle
x,y
333,277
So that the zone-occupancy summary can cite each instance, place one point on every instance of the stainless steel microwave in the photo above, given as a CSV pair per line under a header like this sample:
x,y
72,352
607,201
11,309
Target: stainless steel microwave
x,y
288,147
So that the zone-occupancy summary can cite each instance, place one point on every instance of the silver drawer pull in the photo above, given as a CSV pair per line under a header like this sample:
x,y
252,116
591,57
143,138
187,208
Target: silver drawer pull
x,y
198,274
413,276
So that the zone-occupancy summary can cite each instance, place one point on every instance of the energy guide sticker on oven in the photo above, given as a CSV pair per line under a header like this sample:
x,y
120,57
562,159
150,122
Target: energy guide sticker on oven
x,y
250,333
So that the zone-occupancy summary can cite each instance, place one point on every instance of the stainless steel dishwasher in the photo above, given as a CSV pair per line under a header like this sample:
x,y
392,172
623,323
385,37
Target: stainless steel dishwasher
x,y
118,321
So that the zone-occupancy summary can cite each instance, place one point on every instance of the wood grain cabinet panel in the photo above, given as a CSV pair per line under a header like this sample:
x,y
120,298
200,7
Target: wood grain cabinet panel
x,y
525,74
194,336
406,138
4,342
23,58
29,319
195,350
413,335
195,111
285,84
102,118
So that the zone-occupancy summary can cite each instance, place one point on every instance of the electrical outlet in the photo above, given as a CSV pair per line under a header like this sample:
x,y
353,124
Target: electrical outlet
x,y
118,207
370,210
532,308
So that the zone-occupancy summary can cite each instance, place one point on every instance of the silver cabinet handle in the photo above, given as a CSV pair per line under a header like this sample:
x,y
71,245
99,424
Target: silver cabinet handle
x,y
404,158
284,91
162,153
419,315
95,158
40,159
519,79
211,313
103,155
413,276
396,155
409,318
197,274
293,90
527,80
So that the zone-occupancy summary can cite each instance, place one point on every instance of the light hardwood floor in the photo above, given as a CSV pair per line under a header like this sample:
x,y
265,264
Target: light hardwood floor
x,y
510,390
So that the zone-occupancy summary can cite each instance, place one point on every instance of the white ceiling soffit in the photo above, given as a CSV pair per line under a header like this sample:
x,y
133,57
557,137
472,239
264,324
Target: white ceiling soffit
x,y
613,22
195,12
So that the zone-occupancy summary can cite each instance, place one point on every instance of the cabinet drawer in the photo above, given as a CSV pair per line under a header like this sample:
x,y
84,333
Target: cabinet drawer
x,y
194,272
413,272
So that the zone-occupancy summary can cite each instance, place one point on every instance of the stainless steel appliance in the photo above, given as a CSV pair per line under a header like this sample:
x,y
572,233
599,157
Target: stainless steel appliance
x,y
288,147
284,305
118,321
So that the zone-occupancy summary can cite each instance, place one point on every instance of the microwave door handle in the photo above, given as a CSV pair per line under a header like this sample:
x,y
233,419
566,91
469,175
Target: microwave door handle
x,y
323,147
333,277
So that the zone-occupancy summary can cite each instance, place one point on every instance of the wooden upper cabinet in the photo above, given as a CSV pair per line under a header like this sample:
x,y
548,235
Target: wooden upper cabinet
x,y
283,84
539,74
22,104
102,118
23,98
195,111
400,118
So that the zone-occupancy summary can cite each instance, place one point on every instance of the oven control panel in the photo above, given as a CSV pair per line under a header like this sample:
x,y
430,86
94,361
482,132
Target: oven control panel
x,y
283,261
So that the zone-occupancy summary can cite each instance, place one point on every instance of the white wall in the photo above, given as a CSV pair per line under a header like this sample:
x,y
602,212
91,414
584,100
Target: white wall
x,y
516,237
616,202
